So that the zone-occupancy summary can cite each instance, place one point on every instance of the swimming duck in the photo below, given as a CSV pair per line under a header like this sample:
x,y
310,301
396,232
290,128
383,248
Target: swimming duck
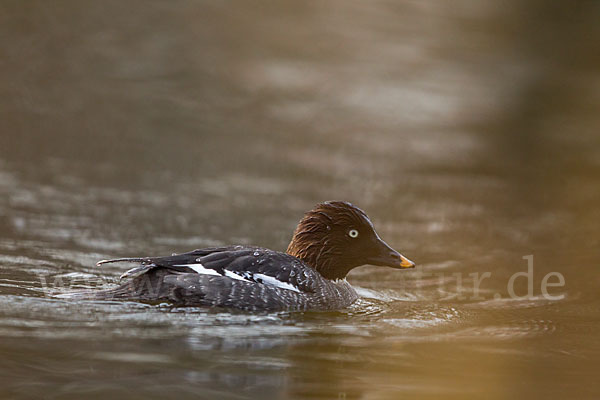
x,y
330,240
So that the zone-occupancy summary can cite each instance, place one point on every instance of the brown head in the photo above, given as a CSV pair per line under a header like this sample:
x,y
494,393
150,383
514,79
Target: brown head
x,y
337,236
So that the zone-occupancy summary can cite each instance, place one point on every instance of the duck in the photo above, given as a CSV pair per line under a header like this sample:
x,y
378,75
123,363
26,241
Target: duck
x,y
329,241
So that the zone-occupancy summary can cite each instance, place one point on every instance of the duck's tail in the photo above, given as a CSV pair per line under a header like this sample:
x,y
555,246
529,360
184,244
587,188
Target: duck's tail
x,y
146,284
116,260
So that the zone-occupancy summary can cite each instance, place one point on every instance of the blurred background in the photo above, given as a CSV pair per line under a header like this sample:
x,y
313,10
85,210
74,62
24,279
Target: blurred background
x,y
467,130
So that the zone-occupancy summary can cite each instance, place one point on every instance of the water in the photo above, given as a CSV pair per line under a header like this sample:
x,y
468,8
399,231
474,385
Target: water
x,y
467,131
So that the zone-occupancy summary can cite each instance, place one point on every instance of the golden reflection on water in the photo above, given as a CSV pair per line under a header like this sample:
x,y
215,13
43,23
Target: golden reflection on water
x,y
467,130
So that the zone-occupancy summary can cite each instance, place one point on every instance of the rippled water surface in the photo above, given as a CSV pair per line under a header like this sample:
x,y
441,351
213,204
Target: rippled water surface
x,y
468,131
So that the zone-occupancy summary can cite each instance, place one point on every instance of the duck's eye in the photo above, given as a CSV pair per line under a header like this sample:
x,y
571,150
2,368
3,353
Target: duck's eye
x,y
353,233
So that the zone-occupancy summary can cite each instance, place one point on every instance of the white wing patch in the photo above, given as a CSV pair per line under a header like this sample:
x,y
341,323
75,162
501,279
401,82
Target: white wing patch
x,y
199,268
233,275
260,278
269,280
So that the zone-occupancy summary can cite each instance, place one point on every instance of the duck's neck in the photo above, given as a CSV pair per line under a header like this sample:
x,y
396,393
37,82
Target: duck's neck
x,y
316,256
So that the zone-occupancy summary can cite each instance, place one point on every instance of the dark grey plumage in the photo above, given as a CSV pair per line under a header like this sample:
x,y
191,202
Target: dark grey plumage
x,y
170,279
